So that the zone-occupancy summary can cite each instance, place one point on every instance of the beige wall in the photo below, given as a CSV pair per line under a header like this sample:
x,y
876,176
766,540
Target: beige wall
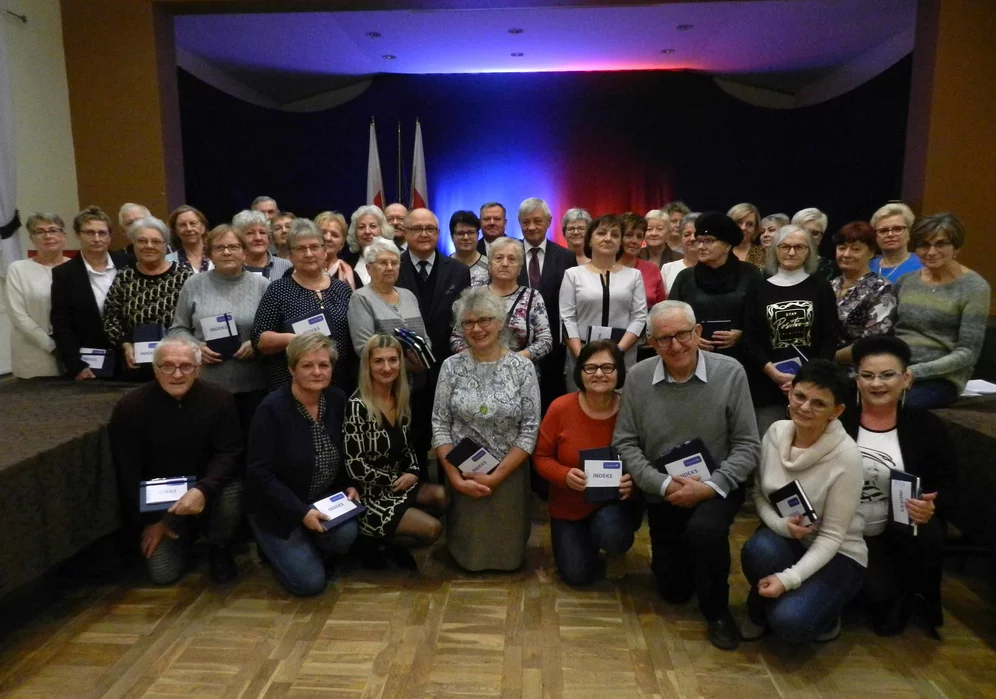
x,y
46,163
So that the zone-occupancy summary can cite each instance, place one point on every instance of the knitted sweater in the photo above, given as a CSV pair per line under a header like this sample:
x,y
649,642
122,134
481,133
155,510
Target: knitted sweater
x,y
944,325
831,474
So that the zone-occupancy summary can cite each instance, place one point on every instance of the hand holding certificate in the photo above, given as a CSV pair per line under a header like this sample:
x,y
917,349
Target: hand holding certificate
x,y
333,511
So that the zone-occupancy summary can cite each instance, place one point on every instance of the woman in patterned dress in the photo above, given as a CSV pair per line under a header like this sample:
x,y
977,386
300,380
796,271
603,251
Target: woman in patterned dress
x,y
380,459
187,229
489,394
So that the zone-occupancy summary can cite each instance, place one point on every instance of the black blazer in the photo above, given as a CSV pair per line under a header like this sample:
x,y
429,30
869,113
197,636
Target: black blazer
x,y
927,450
76,320
558,260
482,246
452,277
281,459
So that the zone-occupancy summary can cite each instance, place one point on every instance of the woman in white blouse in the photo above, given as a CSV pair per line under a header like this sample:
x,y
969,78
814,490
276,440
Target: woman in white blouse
x,y
29,298
670,270
602,299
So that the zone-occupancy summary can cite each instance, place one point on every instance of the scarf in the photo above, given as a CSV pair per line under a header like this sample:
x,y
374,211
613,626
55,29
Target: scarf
x,y
718,280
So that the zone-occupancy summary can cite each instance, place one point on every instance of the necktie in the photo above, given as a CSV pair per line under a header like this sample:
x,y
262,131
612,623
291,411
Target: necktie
x,y
534,270
423,273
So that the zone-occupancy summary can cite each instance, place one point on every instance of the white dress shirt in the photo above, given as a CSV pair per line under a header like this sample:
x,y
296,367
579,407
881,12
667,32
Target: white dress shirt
x,y
100,282
431,260
541,255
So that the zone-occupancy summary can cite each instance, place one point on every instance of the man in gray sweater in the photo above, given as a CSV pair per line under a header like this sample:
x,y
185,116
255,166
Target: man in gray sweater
x,y
684,394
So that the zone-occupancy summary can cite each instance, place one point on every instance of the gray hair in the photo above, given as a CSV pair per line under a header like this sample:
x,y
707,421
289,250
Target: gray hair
x,y
386,229
263,200
810,215
657,213
771,258
780,219
503,242
177,341
379,246
572,215
38,217
667,307
244,220
302,229
895,209
150,222
125,208
676,205
308,343
688,218
480,299
531,204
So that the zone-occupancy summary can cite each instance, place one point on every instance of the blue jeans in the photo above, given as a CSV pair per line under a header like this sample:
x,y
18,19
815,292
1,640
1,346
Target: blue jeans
x,y
799,615
576,543
931,393
299,560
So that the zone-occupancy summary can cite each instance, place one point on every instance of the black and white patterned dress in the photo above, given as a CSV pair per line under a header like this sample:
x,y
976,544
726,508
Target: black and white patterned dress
x,y
141,299
328,460
377,454
287,301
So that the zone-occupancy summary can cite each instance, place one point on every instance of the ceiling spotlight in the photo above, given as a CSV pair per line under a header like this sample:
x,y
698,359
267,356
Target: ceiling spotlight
x,y
373,35
518,53
667,52
684,27
388,56
514,31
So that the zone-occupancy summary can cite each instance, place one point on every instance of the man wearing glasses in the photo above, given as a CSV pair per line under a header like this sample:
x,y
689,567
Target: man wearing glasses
x,y
186,432
681,395
395,215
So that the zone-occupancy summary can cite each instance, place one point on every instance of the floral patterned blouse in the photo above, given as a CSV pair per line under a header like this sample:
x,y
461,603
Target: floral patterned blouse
x,y
867,308
527,321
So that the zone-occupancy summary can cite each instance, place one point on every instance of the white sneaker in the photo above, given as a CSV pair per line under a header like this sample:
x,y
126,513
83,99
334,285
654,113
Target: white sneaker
x,y
830,634
749,631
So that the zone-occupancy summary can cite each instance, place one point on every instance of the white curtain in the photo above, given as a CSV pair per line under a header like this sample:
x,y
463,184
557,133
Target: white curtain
x,y
10,248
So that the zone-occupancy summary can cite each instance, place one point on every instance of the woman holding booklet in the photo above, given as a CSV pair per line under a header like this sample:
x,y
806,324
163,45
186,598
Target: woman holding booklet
x,y
574,454
216,309
401,509
487,406
296,481
910,466
808,557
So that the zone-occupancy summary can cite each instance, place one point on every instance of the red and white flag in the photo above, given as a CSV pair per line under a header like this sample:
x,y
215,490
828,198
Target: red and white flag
x,y
420,194
375,183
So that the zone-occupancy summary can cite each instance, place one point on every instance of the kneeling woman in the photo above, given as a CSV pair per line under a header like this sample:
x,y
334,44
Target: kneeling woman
x,y
573,422
295,459
893,437
802,575
380,458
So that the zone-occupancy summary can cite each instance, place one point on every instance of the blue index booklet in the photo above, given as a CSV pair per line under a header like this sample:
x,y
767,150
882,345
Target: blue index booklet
x,y
790,500
160,493
603,471
686,460
221,335
339,508
100,361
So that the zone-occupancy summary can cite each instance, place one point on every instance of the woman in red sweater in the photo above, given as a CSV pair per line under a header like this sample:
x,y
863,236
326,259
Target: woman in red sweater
x,y
577,421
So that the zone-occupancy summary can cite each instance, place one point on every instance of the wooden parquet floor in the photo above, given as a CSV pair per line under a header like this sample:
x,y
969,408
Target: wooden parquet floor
x,y
444,633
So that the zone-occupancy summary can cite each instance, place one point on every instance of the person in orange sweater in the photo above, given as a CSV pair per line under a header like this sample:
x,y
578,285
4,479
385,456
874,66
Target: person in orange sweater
x,y
573,422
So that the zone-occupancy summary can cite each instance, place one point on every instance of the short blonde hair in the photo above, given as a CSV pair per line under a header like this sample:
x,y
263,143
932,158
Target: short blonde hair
x,y
740,211
896,209
308,343
219,231
326,216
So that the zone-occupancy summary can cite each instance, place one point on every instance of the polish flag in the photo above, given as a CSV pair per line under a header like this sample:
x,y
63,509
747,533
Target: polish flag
x,y
420,195
375,183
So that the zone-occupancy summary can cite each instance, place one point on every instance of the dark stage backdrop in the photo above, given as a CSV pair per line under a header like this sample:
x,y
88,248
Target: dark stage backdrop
x,y
610,142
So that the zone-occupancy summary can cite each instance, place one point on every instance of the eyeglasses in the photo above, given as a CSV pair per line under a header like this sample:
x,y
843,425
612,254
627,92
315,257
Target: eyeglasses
x,y
39,232
388,264
797,249
703,241
892,230
883,376
471,322
419,230
464,234
681,336
218,249
95,234
575,229
799,399
313,249
148,242
606,369
940,246
169,368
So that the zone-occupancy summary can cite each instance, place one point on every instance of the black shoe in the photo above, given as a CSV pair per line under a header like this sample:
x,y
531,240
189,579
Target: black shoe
x,y
402,557
372,556
723,632
222,564
892,620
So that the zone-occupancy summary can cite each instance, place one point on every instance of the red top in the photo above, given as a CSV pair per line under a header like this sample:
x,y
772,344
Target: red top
x,y
653,282
567,429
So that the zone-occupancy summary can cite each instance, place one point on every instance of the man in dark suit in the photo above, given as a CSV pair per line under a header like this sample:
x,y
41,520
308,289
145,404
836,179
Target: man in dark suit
x,y
437,281
543,269
493,224
79,288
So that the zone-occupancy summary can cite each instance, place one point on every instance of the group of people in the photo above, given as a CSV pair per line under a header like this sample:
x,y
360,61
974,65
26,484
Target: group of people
x,y
287,387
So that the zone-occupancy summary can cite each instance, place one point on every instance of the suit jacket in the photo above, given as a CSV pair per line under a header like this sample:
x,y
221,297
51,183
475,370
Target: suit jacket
x,y
452,277
558,260
76,320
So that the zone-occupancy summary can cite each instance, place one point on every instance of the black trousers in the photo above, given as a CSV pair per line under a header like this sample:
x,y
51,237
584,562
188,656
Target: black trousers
x,y
901,564
421,428
691,550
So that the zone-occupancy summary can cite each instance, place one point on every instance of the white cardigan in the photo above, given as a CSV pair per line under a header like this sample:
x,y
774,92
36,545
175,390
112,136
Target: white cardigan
x,y
29,305
830,472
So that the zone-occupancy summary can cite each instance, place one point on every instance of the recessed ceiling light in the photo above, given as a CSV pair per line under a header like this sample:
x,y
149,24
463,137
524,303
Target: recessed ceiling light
x,y
388,56
514,31
684,27
373,35
517,54
667,52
